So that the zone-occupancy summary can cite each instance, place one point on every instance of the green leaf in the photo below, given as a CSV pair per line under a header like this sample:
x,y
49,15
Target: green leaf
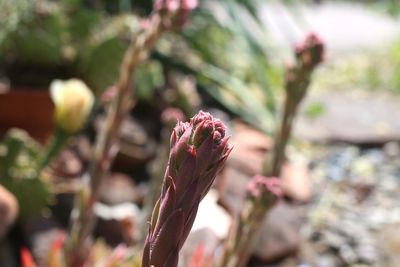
x,y
37,41
99,65
18,169
148,77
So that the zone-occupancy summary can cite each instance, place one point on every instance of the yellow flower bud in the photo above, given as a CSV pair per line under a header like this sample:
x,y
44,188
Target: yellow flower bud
x,y
73,102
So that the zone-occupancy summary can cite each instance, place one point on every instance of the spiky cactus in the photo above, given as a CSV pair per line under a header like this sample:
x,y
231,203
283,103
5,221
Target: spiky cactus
x,y
198,151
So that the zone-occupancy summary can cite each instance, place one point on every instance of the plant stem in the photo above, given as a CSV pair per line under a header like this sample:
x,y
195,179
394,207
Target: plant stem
x,y
239,246
106,145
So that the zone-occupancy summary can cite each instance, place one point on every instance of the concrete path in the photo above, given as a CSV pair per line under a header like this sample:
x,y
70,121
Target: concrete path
x,y
344,26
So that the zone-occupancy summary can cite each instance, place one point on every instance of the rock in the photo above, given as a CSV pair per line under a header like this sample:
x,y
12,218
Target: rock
x,y
212,216
136,146
206,238
369,118
280,233
392,149
118,215
250,147
347,254
119,188
326,261
231,186
296,182
209,229
67,165
389,244
118,223
333,239
367,253
8,209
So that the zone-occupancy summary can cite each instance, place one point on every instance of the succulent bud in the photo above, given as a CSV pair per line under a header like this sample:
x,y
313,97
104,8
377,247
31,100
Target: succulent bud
x,y
166,5
180,8
310,52
73,102
199,149
267,189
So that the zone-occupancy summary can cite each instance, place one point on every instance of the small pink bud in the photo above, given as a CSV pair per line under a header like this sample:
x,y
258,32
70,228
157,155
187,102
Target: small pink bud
x,y
189,4
268,188
310,52
166,5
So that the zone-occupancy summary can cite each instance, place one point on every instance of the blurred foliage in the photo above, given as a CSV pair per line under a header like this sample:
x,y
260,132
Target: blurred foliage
x,y
229,55
225,47
19,172
391,7
11,13
77,37
373,70
314,110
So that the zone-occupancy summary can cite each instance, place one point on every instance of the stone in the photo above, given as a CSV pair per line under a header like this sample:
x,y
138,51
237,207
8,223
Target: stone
x,y
204,237
117,223
119,188
250,147
333,239
392,149
369,118
211,215
67,165
389,244
280,233
296,182
326,261
367,253
231,187
209,229
348,255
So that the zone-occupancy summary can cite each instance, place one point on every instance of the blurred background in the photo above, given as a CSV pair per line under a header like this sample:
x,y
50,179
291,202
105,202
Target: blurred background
x,y
341,183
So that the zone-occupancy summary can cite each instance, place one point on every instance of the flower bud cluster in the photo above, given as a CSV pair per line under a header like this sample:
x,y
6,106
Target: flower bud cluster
x,y
268,189
180,8
310,53
198,151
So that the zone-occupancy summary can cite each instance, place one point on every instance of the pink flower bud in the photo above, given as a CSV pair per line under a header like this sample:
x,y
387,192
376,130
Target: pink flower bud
x,y
311,51
166,5
189,4
267,189
198,152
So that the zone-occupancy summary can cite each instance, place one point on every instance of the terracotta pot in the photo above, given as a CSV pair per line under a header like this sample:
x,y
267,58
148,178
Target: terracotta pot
x,y
28,109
